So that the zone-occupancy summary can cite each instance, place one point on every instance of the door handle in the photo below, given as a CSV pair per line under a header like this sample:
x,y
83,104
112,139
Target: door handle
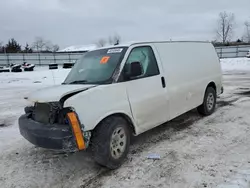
x,y
163,82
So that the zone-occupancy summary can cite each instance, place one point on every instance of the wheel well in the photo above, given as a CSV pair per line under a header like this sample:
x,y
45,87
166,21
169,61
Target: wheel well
x,y
124,116
212,84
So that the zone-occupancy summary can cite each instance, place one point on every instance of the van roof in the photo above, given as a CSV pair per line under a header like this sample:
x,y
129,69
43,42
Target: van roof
x,y
127,44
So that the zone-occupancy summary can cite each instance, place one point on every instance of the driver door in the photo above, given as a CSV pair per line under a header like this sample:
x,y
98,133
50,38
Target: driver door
x,y
147,92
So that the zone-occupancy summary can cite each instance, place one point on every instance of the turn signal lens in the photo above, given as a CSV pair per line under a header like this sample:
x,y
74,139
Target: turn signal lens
x,y
77,130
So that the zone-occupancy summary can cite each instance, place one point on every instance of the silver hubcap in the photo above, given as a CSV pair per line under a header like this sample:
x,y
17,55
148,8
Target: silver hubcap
x,y
210,101
118,143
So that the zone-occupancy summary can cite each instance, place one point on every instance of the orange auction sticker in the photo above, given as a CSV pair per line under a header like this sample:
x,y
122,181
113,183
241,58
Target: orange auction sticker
x,y
104,59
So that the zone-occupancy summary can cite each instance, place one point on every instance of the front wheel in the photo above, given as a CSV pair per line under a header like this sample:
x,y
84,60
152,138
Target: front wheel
x,y
110,142
209,102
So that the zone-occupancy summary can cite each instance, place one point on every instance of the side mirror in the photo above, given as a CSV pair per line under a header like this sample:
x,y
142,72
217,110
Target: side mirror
x,y
135,69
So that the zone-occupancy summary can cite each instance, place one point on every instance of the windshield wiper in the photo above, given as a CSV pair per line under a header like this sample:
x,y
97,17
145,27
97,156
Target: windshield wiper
x,y
78,82
87,82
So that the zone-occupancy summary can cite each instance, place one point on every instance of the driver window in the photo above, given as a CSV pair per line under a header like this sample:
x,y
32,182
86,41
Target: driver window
x,y
145,56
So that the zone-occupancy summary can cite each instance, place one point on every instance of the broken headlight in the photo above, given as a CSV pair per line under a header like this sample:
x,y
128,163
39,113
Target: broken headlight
x,y
46,113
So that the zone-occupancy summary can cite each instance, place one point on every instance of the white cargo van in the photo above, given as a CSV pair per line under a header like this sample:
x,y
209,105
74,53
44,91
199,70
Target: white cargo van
x,y
113,93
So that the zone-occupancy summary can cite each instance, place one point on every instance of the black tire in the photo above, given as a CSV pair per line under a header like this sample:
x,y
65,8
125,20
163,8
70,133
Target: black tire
x,y
205,109
101,142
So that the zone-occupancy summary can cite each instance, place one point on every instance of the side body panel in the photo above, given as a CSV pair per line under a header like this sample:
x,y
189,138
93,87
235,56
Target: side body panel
x,y
189,67
93,105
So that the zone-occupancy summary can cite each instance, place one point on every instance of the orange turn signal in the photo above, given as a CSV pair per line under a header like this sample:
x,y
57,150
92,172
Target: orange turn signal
x,y
77,130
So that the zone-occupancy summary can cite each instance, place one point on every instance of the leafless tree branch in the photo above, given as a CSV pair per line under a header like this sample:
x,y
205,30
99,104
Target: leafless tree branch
x,y
39,44
247,31
225,26
114,40
101,43
48,46
55,48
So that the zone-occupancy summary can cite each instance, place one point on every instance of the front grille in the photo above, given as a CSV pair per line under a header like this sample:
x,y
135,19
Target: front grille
x,y
45,112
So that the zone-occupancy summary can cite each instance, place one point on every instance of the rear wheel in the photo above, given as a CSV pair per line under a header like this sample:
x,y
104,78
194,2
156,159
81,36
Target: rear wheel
x,y
110,142
209,102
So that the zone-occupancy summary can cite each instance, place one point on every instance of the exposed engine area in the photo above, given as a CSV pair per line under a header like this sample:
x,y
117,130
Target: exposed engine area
x,y
47,113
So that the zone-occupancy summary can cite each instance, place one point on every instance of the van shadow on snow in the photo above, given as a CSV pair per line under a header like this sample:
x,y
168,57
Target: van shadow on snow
x,y
180,123
165,130
243,92
226,103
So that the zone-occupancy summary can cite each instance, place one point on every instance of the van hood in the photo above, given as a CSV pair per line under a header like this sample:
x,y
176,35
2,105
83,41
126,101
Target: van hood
x,y
55,93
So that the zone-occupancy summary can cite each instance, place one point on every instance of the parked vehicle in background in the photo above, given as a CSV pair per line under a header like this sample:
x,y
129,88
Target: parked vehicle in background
x,y
248,54
114,92
15,67
28,67
4,69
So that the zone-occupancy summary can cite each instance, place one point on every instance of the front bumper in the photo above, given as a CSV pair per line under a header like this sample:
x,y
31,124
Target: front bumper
x,y
56,136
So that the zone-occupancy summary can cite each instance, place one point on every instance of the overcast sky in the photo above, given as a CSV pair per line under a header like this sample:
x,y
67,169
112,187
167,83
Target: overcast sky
x,y
73,22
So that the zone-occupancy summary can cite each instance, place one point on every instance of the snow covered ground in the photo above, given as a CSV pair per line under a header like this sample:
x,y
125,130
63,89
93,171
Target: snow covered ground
x,y
195,152
239,64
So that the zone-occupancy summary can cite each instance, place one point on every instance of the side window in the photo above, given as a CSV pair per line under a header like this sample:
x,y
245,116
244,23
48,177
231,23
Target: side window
x,y
145,56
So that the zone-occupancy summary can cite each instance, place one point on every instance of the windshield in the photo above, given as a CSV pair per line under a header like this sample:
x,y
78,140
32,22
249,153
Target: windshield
x,y
96,67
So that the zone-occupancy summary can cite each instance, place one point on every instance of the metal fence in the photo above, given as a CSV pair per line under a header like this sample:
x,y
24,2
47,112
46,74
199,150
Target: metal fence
x,y
60,58
38,58
232,51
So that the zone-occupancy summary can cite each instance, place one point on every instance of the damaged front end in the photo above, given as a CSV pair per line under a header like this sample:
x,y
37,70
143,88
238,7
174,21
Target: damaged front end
x,y
49,125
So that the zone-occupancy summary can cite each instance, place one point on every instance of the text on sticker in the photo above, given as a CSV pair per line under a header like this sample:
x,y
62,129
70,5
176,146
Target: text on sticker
x,y
115,50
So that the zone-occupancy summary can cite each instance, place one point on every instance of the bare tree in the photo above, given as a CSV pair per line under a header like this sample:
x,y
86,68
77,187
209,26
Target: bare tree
x,y
247,31
48,46
114,40
1,47
101,43
39,44
55,48
225,26
110,40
